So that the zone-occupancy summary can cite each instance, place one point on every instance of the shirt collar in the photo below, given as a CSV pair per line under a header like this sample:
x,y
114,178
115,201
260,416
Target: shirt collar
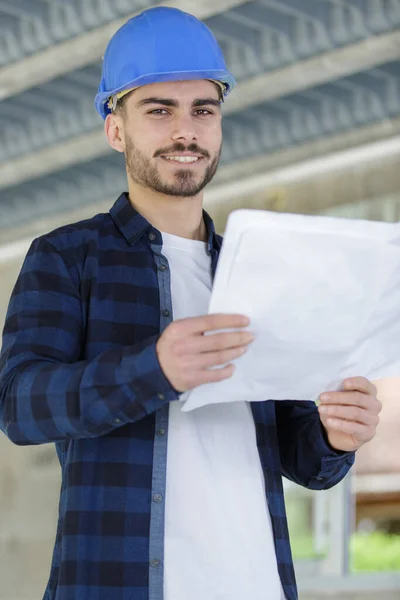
x,y
133,225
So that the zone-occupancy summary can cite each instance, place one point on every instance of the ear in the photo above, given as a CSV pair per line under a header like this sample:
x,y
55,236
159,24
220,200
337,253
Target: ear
x,y
114,130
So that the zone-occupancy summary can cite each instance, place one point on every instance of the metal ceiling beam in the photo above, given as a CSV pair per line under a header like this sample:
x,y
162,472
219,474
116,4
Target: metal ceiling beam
x,y
253,91
345,159
54,158
314,71
331,144
86,49
89,47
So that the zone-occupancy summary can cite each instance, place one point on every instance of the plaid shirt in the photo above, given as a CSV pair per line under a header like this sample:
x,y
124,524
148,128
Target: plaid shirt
x,y
79,368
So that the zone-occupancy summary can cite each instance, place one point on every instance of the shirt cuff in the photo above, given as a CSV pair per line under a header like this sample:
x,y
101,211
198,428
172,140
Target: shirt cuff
x,y
151,387
335,464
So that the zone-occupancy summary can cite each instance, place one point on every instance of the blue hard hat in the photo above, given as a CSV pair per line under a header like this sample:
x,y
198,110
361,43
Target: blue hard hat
x,y
160,44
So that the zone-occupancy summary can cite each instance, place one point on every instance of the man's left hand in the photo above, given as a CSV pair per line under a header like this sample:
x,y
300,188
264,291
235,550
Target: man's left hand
x,y
350,417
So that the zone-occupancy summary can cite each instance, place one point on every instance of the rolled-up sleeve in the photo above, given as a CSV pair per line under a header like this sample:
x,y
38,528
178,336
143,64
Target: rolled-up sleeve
x,y
306,456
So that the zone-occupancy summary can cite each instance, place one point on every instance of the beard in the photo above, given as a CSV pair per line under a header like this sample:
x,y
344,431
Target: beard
x,y
146,174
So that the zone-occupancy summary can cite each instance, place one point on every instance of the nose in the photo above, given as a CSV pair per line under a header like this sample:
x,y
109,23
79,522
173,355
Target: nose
x,y
184,129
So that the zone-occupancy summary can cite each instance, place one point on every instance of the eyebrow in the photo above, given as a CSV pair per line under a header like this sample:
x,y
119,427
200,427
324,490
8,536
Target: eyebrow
x,y
175,103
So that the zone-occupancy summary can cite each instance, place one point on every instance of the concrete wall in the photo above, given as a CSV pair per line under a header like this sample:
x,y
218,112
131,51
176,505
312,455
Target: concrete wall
x,y
367,586
29,488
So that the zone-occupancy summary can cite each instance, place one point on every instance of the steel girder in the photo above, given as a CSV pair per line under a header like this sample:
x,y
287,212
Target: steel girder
x,y
260,39
357,101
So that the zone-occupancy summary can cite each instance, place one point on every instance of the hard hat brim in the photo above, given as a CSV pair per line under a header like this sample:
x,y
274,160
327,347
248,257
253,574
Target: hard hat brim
x,y
223,76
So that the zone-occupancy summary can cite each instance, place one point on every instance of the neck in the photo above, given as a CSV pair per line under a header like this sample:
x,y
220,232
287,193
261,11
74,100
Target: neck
x,y
178,216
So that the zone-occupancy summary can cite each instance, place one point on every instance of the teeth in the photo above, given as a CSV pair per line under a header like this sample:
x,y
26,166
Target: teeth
x,y
183,159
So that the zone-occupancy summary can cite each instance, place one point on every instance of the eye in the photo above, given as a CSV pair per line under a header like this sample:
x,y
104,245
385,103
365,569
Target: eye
x,y
203,112
158,112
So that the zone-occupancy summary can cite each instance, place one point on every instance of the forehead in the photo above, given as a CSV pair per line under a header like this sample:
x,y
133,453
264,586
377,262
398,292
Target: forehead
x,y
183,91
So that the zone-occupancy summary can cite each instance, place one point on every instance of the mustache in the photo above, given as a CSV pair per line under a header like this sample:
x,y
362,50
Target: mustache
x,y
181,148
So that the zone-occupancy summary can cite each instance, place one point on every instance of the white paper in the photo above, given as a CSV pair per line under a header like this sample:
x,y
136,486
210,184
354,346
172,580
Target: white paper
x,y
323,297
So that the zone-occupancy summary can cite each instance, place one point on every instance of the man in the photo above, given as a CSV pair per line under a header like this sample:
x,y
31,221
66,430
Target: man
x,y
105,332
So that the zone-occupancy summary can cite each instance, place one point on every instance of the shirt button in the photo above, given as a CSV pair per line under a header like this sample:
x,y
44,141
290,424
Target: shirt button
x,y
152,236
162,267
166,312
117,421
154,562
160,396
161,432
320,478
157,498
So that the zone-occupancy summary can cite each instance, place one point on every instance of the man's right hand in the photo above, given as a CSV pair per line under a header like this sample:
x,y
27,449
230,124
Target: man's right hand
x,y
187,356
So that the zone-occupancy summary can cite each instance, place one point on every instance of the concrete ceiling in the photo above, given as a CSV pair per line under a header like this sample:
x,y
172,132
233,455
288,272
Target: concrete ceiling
x,y
311,74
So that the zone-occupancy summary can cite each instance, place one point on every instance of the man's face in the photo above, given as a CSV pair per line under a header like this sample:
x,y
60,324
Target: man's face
x,y
172,135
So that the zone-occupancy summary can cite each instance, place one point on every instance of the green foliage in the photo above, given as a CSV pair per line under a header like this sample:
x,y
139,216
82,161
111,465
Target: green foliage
x,y
376,551
302,547
369,552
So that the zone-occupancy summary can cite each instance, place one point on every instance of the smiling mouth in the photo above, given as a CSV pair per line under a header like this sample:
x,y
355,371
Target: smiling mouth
x,y
183,160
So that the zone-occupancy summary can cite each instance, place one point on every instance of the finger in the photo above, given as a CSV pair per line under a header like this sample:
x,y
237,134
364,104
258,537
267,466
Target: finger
x,y
359,431
218,341
360,384
214,322
221,357
370,403
348,398
214,375
349,413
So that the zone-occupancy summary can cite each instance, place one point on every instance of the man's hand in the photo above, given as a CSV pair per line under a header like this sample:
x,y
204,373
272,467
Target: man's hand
x,y
187,356
350,417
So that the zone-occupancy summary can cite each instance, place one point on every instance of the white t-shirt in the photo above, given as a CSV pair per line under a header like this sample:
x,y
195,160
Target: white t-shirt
x,y
218,536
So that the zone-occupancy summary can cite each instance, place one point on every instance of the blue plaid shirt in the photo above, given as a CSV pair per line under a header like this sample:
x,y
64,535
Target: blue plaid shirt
x,y
79,368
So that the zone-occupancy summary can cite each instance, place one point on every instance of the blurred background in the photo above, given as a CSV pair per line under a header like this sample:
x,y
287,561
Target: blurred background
x,y
313,127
